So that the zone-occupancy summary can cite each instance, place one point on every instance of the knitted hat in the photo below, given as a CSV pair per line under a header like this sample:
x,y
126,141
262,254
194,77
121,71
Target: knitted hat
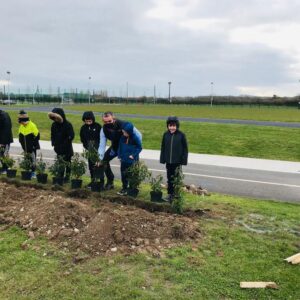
x,y
23,117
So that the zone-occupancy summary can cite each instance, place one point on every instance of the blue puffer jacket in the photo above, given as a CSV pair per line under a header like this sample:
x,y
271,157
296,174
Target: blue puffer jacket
x,y
131,145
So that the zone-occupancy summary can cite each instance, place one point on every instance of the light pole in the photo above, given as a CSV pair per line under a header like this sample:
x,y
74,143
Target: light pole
x,y
8,83
169,83
89,89
211,93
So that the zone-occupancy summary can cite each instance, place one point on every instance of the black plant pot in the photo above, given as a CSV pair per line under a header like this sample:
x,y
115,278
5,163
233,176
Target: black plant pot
x,y
26,175
96,186
98,172
156,196
10,173
58,180
42,178
76,183
133,192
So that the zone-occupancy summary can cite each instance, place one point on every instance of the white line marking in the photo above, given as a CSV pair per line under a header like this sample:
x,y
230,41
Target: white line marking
x,y
208,176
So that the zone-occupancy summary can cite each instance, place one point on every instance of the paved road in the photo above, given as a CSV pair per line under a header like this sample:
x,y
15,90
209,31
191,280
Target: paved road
x,y
270,185
199,120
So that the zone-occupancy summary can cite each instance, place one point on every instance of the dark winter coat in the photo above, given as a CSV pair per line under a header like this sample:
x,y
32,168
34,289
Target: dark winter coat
x,y
129,145
6,136
90,134
62,133
174,149
113,132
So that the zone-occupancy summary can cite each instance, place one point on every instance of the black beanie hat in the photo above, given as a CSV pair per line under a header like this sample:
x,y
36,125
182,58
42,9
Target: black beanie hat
x,y
173,120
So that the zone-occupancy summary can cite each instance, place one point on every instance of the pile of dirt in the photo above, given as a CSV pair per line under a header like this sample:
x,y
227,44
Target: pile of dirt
x,y
106,229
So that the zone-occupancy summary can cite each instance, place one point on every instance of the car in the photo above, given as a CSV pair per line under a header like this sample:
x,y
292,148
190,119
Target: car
x,y
7,102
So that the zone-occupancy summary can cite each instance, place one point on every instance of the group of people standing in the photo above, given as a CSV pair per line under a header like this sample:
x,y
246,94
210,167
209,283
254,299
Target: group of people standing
x,y
126,144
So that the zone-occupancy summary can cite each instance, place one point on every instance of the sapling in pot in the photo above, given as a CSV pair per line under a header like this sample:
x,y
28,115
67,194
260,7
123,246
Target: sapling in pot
x,y
57,170
40,169
137,173
178,200
78,168
156,189
98,170
9,162
26,165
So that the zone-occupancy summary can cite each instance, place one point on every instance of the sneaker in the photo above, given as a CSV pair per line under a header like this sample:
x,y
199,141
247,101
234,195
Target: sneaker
x,y
3,172
33,175
89,185
109,186
123,192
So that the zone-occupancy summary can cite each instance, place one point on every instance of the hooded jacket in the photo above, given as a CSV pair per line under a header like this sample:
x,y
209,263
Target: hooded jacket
x,y
6,136
90,133
29,137
129,145
62,133
174,148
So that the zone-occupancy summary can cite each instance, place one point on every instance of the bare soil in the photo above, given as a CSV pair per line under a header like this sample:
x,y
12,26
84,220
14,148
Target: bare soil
x,y
102,228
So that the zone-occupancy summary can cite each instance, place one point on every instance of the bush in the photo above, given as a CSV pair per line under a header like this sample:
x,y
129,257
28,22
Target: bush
x,y
156,183
91,154
7,160
40,166
137,173
26,163
58,168
78,167
178,200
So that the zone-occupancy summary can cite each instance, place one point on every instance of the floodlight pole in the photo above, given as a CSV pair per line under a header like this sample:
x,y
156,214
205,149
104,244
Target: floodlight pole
x,y
169,83
8,83
211,93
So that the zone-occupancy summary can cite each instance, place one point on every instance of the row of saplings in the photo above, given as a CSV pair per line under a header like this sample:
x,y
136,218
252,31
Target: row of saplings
x,y
137,173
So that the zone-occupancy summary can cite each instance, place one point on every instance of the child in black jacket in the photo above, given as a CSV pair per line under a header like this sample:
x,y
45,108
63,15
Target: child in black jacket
x,y
174,152
90,137
62,135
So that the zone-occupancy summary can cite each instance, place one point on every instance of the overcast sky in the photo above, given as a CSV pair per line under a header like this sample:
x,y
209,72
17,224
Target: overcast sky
x,y
243,47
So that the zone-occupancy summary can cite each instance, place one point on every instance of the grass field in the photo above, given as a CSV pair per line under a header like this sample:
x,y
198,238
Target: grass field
x,y
234,140
246,241
197,111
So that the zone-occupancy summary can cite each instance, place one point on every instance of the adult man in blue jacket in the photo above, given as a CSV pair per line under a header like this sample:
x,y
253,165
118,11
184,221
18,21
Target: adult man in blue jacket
x,y
112,131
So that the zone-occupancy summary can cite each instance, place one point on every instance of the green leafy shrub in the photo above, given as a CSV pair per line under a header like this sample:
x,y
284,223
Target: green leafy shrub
x,y
91,154
26,162
78,167
178,200
58,168
40,166
156,183
7,160
137,173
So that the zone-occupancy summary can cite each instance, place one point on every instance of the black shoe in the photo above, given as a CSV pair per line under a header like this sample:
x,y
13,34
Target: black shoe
x,y
109,186
89,185
123,192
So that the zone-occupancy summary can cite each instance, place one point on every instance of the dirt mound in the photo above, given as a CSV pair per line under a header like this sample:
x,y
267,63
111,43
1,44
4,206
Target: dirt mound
x,y
79,226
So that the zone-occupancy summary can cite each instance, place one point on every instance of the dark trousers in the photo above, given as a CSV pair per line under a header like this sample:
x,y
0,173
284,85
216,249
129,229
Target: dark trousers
x,y
4,152
33,159
108,156
124,176
67,171
171,168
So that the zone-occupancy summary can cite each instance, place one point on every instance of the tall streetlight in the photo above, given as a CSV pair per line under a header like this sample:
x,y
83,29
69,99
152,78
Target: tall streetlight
x,y
211,93
8,84
169,83
89,89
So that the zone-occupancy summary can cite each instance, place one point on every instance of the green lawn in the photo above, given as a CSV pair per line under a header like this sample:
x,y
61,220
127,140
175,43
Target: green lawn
x,y
207,138
203,111
247,240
